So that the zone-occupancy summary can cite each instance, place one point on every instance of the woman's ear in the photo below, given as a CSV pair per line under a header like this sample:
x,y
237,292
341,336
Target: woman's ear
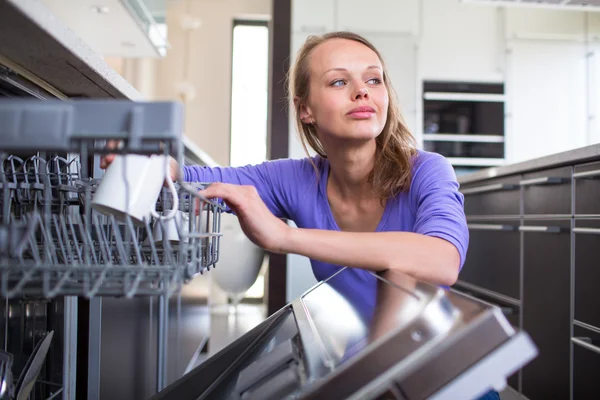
x,y
304,111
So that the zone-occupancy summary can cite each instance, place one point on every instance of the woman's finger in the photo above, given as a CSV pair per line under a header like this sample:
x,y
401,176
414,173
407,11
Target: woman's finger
x,y
107,159
228,192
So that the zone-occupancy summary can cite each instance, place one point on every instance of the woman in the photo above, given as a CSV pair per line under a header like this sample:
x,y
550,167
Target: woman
x,y
369,199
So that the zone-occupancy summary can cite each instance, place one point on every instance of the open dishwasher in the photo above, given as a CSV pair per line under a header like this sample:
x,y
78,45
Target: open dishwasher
x,y
407,340
55,248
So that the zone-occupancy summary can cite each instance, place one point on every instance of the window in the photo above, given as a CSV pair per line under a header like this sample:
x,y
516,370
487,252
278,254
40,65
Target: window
x,y
249,90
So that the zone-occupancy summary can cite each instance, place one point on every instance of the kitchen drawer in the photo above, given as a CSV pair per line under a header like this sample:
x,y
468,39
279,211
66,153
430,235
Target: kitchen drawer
x,y
587,271
493,197
493,261
547,192
586,364
546,306
587,189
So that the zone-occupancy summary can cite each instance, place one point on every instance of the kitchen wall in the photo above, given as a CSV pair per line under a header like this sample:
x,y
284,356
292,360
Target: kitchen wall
x,y
206,56
547,59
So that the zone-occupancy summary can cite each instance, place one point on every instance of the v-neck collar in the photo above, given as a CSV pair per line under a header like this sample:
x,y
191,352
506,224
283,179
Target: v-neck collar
x,y
323,189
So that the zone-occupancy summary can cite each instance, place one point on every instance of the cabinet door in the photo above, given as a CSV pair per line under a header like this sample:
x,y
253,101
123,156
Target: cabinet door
x,y
399,56
493,258
493,197
586,179
315,16
586,364
587,272
546,308
537,71
385,16
547,192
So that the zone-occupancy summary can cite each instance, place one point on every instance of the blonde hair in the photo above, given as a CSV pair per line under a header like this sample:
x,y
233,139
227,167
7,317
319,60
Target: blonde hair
x,y
391,173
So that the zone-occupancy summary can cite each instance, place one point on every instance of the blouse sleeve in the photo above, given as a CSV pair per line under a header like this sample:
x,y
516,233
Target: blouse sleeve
x,y
438,203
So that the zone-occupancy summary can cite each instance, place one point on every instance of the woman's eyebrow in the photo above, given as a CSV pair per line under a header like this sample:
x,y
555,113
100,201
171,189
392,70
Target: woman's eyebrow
x,y
345,70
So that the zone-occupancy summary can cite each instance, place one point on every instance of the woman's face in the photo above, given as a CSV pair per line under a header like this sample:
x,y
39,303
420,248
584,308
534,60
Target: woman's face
x,y
348,98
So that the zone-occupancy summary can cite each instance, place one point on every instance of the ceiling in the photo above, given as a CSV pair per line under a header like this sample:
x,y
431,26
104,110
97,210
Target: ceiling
x,y
107,26
581,5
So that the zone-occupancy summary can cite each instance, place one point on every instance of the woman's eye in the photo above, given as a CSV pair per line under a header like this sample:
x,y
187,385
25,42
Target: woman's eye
x,y
374,81
338,82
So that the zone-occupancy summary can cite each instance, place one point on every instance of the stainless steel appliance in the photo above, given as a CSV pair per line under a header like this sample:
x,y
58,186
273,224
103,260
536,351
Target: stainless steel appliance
x,y
404,340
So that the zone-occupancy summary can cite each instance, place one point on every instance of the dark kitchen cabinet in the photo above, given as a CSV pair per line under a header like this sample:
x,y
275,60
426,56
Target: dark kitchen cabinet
x,y
587,189
493,197
546,306
493,258
587,271
547,192
586,364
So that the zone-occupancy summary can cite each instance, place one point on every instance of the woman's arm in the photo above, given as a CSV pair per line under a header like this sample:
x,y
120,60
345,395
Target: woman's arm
x,y
432,254
423,257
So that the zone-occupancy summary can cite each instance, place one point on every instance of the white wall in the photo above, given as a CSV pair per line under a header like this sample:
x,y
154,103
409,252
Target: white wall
x,y
209,65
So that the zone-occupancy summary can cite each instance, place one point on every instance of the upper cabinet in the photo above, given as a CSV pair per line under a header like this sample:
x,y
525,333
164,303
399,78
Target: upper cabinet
x,y
313,16
378,16
461,42
374,16
537,24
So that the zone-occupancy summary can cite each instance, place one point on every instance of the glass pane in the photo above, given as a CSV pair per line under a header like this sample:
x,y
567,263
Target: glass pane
x,y
249,94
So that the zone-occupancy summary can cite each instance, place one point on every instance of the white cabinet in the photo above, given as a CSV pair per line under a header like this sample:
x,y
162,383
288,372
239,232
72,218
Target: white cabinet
x,y
546,99
399,55
315,16
398,16
461,42
594,93
525,23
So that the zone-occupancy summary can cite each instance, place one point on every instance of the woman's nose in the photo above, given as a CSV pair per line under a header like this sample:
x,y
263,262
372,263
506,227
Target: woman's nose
x,y
362,93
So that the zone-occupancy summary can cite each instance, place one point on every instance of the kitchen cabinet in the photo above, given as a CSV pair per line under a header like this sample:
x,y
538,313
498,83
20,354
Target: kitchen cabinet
x,y
586,363
535,231
587,271
538,187
497,243
530,23
400,56
532,97
546,274
379,16
587,189
315,16
450,50
493,197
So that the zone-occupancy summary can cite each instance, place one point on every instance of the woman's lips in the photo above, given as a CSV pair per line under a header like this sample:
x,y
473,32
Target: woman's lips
x,y
361,112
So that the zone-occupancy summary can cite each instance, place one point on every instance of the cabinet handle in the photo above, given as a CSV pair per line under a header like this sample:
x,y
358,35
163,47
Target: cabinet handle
x,y
492,227
586,343
541,229
490,188
590,231
546,180
586,174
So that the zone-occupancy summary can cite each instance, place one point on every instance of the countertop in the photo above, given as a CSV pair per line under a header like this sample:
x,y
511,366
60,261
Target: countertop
x,y
579,155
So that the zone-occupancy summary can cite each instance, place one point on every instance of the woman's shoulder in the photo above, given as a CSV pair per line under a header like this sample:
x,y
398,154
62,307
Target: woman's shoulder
x,y
428,160
431,168
302,170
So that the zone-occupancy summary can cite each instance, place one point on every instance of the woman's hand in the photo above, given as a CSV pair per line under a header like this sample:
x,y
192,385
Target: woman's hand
x,y
258,223
106,160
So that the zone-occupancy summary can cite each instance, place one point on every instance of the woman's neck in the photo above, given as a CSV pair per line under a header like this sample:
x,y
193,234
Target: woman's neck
x,y
350,167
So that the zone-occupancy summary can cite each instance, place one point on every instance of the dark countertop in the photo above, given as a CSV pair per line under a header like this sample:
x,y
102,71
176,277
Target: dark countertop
x,y
579,155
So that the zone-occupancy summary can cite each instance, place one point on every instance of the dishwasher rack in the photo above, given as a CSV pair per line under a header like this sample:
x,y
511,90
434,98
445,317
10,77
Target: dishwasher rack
x,y
52,243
